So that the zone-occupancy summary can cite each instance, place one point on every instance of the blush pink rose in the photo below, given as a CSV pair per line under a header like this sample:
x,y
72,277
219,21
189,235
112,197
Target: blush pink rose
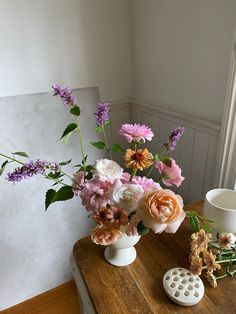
x,y
145,183
172,174
161,210
94,195
105,235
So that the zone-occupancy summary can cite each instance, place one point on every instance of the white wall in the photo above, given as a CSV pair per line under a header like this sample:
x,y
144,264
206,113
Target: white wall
x,y
80,43
180,54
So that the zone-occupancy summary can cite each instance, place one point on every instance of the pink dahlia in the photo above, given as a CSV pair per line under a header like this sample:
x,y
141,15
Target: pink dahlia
x,y
136,132
94,194
145,183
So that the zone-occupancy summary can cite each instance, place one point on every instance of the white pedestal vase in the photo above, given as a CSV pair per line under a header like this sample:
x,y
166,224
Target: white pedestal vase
x,y
122,253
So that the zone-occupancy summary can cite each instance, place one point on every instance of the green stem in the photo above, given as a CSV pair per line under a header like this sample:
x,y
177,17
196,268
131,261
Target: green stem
x,y
220,277
153,166
227,261
134,171
106,142
56,180
67,175
81,143
150,171
13,159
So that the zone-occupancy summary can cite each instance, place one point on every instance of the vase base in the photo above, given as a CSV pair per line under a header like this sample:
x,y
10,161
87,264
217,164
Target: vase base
x,y
120,257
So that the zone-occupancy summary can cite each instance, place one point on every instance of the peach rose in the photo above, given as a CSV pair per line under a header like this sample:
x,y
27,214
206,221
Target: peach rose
x,y
105,235
161,210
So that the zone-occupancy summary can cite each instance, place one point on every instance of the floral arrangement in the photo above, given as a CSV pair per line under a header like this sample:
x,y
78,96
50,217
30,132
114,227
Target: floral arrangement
x,y
118,200
209,256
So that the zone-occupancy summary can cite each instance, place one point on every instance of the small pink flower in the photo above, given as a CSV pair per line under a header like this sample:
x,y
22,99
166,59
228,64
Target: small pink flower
x,y
226,240
172,174
95,194
105,235
78,182
136,132
125,177
145,183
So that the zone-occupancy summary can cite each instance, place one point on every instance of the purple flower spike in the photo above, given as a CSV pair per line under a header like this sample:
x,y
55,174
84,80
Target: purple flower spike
x,y
65,94
29,169
173,138
102,113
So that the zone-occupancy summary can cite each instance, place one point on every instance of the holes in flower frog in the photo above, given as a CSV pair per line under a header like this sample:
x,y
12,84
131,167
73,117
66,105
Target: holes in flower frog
x,y
190,287
197,279
180,287
188,273
196,285
167,278
172,285
196,294
184,281
186,293
182,274
177,294
174,272
176,279
180,269
191,279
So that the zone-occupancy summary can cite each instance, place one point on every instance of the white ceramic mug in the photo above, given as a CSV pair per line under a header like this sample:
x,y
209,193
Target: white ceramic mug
x,y
220,206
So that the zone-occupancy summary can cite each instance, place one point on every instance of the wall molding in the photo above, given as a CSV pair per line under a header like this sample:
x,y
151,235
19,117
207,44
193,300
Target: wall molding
x,y
176,116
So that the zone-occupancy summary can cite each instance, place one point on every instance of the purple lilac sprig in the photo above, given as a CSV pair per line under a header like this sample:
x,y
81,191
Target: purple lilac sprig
x,y
30,169
65,94
173,138
102,114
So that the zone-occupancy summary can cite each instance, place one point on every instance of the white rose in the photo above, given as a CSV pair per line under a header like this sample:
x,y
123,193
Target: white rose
x,y
107,170
126,196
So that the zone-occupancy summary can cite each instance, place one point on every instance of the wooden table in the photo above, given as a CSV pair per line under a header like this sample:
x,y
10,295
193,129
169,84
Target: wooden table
x,y
137,288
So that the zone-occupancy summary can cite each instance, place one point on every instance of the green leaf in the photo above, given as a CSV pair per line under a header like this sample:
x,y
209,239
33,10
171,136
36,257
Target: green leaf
x,y
207,228
49,198
108,122
166,160
23,154
99,145
63,194
89,176
75,111
90,168
3,166
79,165
142,230
194,221
69,129
84,160
116,148
63,163
98,128
54,175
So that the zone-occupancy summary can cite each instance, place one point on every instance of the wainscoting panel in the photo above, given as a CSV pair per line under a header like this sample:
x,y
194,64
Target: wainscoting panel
x,y
196,153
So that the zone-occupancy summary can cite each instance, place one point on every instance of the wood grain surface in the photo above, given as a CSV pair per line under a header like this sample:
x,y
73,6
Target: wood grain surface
x,y
60,300
137,288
